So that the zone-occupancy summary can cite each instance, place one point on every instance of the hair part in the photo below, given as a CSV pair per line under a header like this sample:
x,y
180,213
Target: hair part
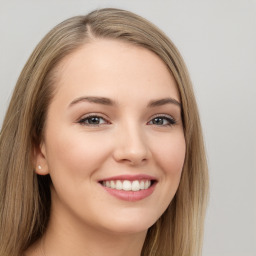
x,y
25,198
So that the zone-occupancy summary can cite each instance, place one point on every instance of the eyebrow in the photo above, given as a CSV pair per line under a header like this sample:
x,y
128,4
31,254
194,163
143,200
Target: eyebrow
x,y
97,100
161,102
109,102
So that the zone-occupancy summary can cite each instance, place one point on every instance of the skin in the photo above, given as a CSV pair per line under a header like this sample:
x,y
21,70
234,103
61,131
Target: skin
x,y
128,140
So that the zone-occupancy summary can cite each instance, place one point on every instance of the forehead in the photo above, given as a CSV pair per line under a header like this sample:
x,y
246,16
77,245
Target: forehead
x,y
112,68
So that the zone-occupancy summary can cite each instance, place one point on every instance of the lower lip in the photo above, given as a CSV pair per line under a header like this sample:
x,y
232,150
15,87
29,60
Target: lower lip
x,y
131,195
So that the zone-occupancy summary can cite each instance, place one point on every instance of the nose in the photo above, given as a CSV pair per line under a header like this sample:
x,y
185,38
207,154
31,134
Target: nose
x,y
131,146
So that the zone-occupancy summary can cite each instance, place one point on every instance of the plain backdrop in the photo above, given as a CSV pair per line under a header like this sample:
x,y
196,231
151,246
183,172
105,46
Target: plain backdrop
x,y
218,42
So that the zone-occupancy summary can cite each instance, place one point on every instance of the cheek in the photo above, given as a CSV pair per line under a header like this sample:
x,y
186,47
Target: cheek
x,y
75,153
170,154
169,158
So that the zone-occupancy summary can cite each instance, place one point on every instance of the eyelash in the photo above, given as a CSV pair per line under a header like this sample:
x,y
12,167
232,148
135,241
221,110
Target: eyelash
x,y
171,121
86,118
84,121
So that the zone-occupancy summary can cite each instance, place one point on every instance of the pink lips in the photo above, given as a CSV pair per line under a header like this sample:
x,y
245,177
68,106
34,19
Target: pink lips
x,y
130,195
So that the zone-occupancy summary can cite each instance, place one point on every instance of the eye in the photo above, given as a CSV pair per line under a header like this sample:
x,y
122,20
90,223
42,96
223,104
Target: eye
x,y
93,120
162,120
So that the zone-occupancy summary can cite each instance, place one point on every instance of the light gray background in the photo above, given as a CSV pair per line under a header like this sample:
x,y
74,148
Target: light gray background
x,y
217,40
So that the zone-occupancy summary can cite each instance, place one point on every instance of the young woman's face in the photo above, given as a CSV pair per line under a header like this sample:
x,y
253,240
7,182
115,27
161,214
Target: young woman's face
x,y
114,143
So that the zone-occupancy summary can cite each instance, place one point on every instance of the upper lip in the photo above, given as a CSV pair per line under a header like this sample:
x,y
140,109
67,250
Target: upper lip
x,y
130,177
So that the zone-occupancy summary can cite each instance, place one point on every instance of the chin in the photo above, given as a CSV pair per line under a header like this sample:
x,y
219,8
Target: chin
x,y
130,224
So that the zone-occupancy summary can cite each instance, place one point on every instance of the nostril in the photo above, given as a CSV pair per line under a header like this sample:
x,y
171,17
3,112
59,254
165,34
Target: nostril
x,y
132,151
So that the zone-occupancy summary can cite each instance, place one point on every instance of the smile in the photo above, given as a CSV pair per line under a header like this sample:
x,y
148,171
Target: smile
x,y
127,185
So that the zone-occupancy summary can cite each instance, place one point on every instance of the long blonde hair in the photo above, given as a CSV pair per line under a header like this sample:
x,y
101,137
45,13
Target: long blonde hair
x,y
25,198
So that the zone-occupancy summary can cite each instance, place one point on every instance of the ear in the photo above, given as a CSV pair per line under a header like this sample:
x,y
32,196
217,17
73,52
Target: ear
x,y
40,160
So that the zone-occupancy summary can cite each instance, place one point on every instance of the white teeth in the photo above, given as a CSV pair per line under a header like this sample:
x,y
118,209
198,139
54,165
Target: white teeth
x,y
119,185
142,185
108,184
127,185
147,184
112,184
135,185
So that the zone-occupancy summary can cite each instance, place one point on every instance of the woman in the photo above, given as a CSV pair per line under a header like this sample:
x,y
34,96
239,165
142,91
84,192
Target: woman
x,y
101,147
